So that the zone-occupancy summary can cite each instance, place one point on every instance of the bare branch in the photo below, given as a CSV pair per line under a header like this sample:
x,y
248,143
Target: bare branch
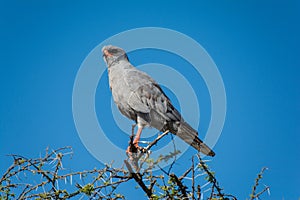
x,y
193,178
138,178
253,194
156,140
103,183
182,187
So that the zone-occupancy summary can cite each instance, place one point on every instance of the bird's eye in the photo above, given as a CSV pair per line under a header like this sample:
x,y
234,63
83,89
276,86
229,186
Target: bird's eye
x,y
113,51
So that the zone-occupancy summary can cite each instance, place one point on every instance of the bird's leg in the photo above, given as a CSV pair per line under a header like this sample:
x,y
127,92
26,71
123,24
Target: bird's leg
x,y
137,137
132,128
134,144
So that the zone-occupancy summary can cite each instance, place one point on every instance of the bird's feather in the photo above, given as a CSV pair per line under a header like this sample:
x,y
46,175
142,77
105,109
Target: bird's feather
x,y
190,136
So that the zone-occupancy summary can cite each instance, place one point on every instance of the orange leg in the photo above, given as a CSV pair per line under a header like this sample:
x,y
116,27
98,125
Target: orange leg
x,y
136,139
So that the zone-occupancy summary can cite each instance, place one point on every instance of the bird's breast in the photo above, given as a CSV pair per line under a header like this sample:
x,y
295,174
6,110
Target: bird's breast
x,y
120,91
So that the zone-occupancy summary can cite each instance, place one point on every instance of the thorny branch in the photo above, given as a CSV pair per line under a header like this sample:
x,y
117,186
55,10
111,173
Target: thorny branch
x,y
137,154
139,179
254,194
46,178
213,181
52,177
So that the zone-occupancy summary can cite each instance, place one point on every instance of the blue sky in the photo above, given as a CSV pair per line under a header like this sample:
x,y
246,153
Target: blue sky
x,y
254,44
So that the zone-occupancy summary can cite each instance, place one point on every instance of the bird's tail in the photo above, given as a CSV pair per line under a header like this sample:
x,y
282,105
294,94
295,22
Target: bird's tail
x,y
190,136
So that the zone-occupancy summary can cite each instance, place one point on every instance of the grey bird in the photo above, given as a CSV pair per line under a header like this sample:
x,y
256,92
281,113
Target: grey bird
x,y
141,99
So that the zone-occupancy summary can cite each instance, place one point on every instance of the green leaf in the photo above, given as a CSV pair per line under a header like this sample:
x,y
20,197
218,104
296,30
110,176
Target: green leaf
x,y
88,189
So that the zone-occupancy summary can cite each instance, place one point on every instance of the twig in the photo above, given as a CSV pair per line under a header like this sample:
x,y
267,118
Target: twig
x,y
213,180
198,192
181,187
261,192
138,178
156,140
185,173
193,179
253,194
174,147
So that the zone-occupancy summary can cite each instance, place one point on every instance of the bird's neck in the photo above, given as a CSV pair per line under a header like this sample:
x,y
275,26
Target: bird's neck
x,y
115,60
117,70
119,66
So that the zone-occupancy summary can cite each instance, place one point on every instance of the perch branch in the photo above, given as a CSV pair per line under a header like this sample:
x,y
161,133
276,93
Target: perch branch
x,y
138,178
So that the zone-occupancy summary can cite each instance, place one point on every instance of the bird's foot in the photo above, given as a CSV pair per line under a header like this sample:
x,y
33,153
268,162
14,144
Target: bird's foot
x,y
140,149
134,148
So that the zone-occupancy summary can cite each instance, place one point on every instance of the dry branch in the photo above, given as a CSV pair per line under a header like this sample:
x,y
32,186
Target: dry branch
x,y
103,183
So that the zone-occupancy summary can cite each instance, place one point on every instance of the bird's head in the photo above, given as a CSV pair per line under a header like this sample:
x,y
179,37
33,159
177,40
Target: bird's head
x,y
112,54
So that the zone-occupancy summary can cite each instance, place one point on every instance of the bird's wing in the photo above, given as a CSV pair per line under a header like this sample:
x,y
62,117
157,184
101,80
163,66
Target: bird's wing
x,y
147,95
